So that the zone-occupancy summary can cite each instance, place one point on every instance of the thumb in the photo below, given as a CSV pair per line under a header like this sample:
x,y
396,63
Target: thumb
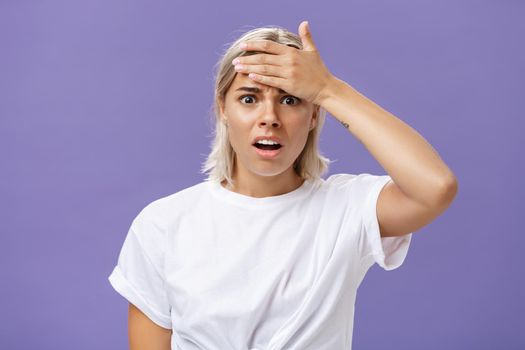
x,y
306,36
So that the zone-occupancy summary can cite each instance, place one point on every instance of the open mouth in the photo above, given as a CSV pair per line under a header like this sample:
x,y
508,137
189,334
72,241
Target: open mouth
x,y
267,147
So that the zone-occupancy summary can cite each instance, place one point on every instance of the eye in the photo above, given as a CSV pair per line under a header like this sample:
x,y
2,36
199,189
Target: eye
x,y
249,99
246,96
287,98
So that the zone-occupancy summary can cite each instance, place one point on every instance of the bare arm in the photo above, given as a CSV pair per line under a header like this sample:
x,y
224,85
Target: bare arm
x,y
422,185
144,334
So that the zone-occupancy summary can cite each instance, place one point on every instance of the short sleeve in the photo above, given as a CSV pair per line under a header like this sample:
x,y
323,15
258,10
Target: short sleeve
x,y
137,275
387,252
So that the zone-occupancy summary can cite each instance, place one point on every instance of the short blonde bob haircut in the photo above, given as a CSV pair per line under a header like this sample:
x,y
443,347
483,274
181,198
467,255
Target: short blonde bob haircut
x,y
219,165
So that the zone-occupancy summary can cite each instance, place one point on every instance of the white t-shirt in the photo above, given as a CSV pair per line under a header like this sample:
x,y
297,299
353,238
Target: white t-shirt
x,y
229,271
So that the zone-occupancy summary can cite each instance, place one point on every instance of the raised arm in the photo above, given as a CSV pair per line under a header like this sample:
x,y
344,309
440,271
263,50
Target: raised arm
x,y
422,185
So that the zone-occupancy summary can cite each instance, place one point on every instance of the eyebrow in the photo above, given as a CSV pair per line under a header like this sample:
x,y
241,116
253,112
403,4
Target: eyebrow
x,y
256,89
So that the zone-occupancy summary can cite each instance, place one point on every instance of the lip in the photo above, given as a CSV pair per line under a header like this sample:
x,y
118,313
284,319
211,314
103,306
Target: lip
x,y
269,137
268,154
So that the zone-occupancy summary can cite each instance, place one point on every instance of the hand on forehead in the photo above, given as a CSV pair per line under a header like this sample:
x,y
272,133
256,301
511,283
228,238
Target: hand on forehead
x,y
298,72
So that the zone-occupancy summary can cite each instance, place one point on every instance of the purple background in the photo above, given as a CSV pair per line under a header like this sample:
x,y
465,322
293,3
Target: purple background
x,y
105,107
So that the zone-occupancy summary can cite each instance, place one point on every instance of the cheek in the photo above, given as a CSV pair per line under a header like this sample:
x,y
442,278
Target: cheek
x,y
302,130
239,135
301,125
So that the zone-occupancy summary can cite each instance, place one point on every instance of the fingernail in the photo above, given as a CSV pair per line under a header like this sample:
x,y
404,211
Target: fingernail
x,y
235,61
243,45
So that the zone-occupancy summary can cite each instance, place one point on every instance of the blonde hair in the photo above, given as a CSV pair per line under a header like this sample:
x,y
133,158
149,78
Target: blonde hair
x,y
310,164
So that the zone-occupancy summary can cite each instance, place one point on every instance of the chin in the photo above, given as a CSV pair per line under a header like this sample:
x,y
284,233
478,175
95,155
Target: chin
x,y
269,170
268,173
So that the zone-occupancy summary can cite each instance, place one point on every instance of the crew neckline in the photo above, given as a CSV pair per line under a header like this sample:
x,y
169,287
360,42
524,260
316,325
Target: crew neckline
x,y
244,200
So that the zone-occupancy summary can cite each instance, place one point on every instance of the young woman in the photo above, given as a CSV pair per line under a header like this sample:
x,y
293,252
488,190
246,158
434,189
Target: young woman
x,y
265,254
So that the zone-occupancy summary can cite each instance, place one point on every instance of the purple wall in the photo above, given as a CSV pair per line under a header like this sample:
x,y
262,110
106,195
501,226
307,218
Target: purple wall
x,y
104,107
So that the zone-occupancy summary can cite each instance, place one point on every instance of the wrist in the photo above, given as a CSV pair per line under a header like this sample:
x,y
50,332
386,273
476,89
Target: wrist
x,y
332,87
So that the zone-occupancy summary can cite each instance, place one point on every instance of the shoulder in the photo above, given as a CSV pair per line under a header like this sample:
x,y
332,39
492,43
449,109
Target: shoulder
x,y
160,214
170,204
340,179
355,181
354,189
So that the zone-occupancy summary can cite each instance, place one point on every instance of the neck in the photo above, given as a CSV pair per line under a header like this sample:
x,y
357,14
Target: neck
x,y
253,185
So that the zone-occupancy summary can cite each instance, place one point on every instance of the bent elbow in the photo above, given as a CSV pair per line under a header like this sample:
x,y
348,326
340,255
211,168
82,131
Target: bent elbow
x,y
448,191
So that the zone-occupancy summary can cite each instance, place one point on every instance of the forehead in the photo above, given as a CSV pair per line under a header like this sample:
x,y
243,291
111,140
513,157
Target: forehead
x,y
242,80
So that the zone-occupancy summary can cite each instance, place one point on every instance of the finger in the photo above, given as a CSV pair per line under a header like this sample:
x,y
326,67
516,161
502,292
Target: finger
x,y
258,59
260,69
264,45
306,36
271,81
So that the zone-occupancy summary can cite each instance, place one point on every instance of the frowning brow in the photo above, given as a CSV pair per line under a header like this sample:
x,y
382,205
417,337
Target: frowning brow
x,y
256,90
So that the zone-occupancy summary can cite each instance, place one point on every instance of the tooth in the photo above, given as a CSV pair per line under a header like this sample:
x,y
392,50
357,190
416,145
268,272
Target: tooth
x,y
267,142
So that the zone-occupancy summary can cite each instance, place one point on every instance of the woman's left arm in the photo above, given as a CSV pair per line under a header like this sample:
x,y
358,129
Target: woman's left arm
x,y
422,187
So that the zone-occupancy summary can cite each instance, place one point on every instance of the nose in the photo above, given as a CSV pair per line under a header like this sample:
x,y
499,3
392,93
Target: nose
x,y
269,116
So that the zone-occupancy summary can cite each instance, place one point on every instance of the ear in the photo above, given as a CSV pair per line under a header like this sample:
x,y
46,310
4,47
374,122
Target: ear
x,y
315,117
221,110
